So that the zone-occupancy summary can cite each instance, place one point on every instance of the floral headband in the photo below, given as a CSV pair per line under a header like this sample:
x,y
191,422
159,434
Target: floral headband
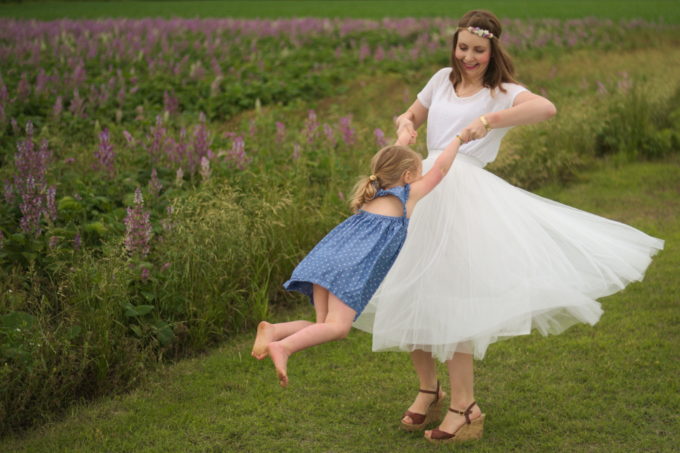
x,y
482,33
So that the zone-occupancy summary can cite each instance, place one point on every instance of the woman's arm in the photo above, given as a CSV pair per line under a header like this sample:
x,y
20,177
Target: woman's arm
x,y
527,108
408,122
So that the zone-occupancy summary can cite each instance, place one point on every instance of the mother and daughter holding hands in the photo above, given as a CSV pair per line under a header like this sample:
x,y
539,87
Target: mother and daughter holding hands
x,y
483,260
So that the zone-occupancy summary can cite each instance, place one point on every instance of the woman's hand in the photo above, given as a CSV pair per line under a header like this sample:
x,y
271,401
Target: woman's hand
x,y
475,130
406,133
405,138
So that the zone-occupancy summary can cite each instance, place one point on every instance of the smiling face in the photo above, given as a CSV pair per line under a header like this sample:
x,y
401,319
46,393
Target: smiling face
x,y
473,53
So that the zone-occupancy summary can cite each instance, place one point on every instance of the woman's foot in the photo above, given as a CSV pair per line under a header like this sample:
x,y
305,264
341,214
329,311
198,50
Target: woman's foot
x,y
461,425
424,409
265,335
279,356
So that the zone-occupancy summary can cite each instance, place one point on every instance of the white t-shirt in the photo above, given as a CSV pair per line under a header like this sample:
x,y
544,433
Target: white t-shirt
x,y
448,114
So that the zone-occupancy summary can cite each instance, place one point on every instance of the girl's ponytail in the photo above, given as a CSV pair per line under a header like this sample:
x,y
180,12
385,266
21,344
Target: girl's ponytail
x,y
364,190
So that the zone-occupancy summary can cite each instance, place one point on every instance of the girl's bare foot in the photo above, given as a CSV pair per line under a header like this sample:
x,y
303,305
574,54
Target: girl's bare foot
x,y
279,356
265,335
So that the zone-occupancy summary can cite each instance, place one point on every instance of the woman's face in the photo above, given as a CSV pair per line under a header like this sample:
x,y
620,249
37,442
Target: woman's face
x,y
473,53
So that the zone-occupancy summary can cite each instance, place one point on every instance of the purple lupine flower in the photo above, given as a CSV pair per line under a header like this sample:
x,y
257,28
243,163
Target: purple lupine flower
x,y
138,227
280,132
77,241
379,54
105,154
144,274
53,242
23,88
15,126
58,107
165,267
200,146
311,126
129,138
601,88
157,138
8,192
364,51
155,185
77,106
179,177
170,103
51,205
330,135
29,181
380,139
296,151
347,130
205,168
237,154
625,83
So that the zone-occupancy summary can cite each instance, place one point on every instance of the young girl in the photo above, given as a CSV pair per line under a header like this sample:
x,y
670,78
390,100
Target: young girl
x,y
344,270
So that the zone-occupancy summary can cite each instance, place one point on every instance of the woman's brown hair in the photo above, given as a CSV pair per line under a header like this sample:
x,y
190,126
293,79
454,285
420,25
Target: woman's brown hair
x,y
500,69
388,166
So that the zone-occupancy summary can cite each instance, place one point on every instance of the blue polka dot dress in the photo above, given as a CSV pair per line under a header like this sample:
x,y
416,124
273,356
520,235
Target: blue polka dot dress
x,y
353,259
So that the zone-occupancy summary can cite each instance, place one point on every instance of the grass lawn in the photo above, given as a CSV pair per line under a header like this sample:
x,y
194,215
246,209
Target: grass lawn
x,y
611,388
655,10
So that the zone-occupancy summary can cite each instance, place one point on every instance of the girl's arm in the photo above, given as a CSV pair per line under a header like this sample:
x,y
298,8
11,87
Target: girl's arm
x,y
441,167
408,122
527,108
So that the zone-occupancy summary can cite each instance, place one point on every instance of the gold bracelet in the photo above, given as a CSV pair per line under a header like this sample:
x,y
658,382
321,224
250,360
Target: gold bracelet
x,y
485,123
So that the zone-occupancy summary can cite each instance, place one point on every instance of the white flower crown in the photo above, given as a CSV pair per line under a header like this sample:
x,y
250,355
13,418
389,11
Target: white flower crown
x,y
481,32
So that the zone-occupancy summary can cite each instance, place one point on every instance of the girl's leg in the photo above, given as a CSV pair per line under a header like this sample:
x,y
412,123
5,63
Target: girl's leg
x,y
427,377
461,377
267,332
336,326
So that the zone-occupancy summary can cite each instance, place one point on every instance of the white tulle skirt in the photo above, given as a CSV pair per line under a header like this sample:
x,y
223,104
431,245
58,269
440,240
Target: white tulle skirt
x,y
485,260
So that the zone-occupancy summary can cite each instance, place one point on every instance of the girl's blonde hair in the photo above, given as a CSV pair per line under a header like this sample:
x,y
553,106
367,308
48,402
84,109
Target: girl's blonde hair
x,y
388,166
500,69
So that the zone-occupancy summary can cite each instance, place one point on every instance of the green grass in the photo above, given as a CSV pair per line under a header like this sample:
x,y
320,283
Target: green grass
x,y
664,10
608,388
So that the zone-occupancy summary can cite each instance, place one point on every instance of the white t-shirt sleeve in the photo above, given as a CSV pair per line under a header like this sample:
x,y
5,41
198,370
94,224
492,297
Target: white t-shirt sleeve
x,y
512,90
426,94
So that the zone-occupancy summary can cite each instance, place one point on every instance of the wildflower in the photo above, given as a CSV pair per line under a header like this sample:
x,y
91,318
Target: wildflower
x,y
58,108
237,154
145,274
170,103
280,132
601,88
165,267
50,201
8,192
77,107
296,151
53,242
77,242
129,138
380,139
347,130
157,137
138,227
205,168
105,154
341,196
330,136
29,181
179,177
155,185
311,126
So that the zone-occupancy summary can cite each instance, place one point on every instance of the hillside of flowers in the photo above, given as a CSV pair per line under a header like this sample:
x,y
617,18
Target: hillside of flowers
x,y
160,178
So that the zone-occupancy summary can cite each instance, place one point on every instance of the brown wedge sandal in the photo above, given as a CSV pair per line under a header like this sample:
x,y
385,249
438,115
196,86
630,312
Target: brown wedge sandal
x,y
421,420
471,430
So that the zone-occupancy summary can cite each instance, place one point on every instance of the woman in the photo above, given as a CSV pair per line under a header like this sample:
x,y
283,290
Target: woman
x,y
485,260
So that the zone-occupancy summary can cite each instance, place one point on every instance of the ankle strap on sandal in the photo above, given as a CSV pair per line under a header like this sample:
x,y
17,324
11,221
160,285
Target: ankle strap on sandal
x,y
466,412
431,392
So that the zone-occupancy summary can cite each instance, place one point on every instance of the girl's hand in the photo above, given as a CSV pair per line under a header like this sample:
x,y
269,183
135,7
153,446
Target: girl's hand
x,y
406,137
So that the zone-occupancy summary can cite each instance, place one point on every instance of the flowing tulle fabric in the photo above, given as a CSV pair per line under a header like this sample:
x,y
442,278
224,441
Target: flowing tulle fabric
x,y
484,260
